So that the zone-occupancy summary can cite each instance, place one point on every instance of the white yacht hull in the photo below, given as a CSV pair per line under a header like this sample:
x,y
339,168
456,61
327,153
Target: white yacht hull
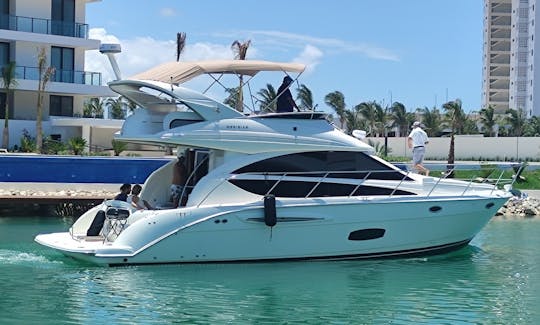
x,y
333,228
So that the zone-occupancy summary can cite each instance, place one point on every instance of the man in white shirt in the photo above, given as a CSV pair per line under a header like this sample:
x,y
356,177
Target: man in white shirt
x,y
417,141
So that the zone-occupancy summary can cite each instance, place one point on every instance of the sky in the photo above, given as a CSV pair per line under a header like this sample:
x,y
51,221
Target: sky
x,y
421,53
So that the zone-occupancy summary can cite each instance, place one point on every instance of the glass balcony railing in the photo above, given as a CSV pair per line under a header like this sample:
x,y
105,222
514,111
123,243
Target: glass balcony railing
x,y
43,26
67,76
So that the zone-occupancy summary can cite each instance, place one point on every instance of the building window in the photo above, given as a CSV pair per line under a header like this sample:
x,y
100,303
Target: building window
x,y
522,71
522,42
522,56
61,105
63,17
2,105
62,59
4,14
4,54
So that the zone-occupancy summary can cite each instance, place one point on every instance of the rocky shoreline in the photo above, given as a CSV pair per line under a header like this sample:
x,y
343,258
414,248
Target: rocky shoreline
x,y
524,207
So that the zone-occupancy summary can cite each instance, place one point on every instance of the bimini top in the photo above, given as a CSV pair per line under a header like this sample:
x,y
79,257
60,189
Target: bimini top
x,y
180,72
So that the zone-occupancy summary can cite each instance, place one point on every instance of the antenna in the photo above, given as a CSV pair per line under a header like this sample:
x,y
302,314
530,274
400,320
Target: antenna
x,y
110,50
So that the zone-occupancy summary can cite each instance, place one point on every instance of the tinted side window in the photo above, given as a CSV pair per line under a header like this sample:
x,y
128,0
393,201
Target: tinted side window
x,y
301,189
333,161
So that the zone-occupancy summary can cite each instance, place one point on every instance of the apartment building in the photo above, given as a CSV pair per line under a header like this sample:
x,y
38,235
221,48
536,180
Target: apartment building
x,y
509,66
58,26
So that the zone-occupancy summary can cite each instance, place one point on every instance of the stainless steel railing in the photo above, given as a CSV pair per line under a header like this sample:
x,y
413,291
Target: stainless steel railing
x,y
319,177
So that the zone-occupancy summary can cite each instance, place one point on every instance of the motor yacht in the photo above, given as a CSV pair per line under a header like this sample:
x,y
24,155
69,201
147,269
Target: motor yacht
x,y
267,186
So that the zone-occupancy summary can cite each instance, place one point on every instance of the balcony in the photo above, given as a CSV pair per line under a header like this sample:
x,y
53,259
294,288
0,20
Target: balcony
x,y
67,76
44,26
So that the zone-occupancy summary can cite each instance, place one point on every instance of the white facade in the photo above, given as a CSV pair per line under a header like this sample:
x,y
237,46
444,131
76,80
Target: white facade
x,y
497,52
59,27
509,63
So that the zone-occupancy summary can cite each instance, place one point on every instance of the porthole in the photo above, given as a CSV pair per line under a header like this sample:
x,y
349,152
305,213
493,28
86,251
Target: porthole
x,y
435,208
490,205
366,234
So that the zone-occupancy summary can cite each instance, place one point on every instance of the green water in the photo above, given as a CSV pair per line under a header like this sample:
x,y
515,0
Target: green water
x,y
495,280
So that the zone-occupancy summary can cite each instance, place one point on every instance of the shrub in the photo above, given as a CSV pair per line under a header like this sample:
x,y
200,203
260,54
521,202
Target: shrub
x,y
118,147
28,142
77,145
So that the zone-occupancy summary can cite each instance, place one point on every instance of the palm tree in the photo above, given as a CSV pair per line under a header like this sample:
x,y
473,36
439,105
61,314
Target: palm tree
x,y
93,108
431,120
116,108
305,97
374,115
336,100
45,73
131,105
8,83
488,120
455,118
268,95
240,52
354,120
180,44
232,98
516,118
398,116
532,129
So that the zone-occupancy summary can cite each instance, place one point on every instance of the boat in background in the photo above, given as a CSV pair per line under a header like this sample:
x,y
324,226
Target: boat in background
x,y
268,186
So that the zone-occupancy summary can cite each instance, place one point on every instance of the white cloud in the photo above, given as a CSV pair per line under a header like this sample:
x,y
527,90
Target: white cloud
x,y
281,39
167,12
310,56
142,53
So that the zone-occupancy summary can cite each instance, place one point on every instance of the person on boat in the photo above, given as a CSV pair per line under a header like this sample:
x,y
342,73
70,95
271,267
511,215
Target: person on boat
x,y
179,182
285,101
125,189
136,201
417,141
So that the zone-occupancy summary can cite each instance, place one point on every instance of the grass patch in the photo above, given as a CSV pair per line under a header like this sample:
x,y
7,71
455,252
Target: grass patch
x,y
529,180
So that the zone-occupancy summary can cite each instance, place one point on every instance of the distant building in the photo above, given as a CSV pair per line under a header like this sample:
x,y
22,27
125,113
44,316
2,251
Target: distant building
x,y
59,26
509,66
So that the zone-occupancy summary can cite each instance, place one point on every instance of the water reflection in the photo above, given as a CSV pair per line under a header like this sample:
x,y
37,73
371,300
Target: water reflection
x,y
495,280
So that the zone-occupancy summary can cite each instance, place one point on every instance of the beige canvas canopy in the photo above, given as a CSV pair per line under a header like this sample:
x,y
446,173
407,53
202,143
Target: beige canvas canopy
x,y
180,72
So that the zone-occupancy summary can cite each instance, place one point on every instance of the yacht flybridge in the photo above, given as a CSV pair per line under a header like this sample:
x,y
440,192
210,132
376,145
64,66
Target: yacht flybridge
x,y
267,187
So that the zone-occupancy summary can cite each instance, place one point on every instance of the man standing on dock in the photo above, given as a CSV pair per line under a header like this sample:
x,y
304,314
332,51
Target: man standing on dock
x,y
417,141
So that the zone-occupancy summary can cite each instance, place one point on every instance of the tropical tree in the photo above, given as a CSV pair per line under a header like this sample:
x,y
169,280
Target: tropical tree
x,y
232,98
77,145
45,73
240,52
354,120
374,115
516,118
532,128
116,107
268,101
488,120
180,44
367,112
118,147
431,120
336,100
8,83
455,117
131,105
399,119
305,97
93,108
